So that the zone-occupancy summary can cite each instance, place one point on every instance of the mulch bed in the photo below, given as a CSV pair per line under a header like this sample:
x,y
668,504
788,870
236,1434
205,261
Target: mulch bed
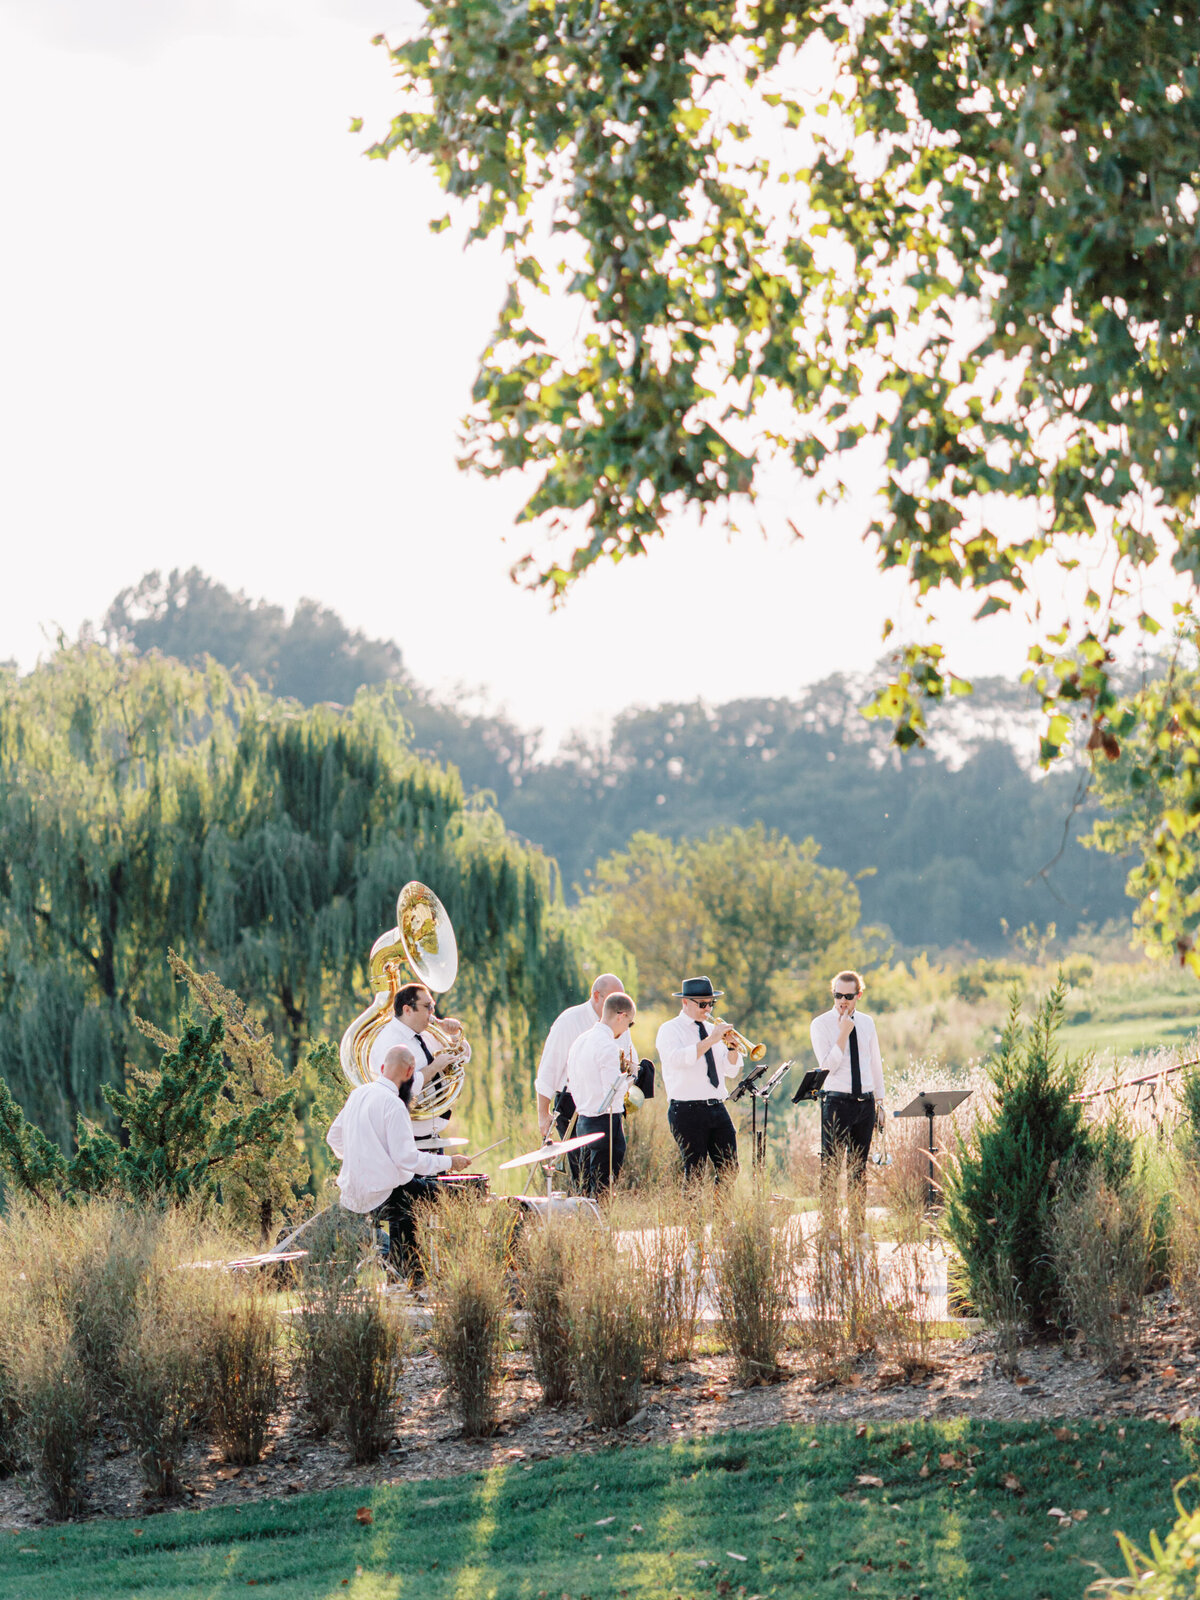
x,y
698,1398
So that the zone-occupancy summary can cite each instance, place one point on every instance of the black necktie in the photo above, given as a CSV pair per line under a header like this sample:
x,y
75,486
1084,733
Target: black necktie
x,y
708,1056
429,1057
855,1074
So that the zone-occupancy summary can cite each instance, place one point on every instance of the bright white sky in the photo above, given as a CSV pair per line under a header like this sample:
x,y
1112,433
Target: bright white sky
x,y
228,340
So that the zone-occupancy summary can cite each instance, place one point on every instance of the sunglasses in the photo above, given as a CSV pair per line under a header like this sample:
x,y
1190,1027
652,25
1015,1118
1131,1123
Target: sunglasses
x,y
853,996
704,1005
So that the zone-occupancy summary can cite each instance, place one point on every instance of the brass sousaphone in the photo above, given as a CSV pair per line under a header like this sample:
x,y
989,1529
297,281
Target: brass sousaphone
x,y
421,948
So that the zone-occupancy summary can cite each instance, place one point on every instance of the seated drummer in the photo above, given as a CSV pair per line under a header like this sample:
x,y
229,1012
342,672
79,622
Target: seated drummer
x,y
383,1174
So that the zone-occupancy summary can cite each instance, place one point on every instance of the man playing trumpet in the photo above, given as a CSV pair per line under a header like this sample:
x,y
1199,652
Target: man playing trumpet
x,y
695,1064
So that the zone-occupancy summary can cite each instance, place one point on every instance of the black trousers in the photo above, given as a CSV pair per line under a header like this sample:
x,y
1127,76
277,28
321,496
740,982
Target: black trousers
x,y
596,1170
397,1212
564,1110
846,1128
704,1131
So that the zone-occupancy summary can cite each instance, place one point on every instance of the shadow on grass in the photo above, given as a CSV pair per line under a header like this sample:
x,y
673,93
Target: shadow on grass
x,y
959,1512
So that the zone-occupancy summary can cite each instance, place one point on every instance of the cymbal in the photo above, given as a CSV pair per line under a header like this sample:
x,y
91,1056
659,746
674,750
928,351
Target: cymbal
x,y
551,1152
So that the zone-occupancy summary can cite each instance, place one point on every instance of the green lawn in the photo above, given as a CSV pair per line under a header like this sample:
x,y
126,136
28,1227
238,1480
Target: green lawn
x,y
666,1521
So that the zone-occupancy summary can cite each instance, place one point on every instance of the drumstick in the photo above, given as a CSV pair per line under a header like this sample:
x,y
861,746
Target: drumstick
x,y
491,1147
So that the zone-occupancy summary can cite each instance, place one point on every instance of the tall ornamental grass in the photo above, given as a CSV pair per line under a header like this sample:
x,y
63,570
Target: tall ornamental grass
x,y
756,1257
608,1336
464,1247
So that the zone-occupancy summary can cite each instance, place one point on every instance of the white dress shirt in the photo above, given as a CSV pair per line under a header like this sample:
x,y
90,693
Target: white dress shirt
x,y
836,1060
396,1032
684,1073
593,1066
568,1026
372,1134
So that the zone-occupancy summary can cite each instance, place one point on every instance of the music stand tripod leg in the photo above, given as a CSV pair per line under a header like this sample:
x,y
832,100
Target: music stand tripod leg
x,y
929,1188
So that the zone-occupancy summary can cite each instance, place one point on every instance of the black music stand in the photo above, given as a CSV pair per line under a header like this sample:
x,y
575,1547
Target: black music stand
x,y
744,1085
938,1104
810,1085
751,1086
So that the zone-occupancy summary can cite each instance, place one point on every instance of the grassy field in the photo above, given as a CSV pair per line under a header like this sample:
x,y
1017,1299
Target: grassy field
x,y
953,1511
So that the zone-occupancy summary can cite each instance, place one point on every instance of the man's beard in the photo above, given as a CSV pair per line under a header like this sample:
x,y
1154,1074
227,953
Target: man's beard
x,y
406,1089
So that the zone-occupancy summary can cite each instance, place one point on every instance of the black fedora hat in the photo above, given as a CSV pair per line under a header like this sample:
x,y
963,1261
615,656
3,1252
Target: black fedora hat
x,y
698,989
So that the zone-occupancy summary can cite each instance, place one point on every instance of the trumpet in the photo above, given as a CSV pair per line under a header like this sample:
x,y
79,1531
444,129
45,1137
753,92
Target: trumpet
x,y
752,1052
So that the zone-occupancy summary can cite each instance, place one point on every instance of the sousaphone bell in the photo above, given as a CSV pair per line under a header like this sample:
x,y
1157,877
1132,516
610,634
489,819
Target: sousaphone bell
x,y
421,948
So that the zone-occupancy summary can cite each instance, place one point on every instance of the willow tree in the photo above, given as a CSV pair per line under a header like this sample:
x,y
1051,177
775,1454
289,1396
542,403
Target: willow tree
x,y
145,804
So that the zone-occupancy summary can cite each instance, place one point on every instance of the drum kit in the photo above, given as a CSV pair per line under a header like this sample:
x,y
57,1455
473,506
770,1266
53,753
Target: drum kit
x,y
422,948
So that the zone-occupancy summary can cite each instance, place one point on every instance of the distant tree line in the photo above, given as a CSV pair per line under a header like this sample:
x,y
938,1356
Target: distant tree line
x,y
954,841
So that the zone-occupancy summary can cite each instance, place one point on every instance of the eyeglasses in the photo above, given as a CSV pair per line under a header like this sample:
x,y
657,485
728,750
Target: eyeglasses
x,y
704,1005
853,996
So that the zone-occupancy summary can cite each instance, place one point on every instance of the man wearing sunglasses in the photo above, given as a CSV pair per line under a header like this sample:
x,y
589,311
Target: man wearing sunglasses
x,y
696,1059
847,1047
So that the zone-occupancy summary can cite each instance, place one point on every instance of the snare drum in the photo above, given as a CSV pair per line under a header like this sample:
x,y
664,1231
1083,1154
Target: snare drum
x,y
473,1183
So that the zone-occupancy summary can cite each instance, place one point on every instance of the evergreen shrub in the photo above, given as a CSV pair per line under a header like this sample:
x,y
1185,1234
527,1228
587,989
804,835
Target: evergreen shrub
x,y
1002,1180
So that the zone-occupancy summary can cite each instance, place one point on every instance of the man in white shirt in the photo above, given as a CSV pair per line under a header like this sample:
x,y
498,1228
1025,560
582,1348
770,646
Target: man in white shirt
x,y
594,1069
383,1173
412,1012
554,1100
695,1064
847,1047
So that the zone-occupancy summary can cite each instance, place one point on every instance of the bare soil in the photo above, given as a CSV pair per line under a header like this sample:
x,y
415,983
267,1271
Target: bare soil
x,y
698,1397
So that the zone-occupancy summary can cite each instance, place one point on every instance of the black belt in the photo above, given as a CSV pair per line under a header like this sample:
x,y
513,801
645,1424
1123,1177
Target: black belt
x,y
697,1103
837,1094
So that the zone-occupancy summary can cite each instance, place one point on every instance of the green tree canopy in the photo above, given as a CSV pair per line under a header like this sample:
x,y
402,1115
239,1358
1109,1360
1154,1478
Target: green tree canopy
x,y
1151,797
144,804
751,908
947,248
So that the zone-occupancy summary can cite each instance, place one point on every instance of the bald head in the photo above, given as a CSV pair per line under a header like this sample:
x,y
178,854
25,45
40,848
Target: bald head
x,y
607,983
398,1065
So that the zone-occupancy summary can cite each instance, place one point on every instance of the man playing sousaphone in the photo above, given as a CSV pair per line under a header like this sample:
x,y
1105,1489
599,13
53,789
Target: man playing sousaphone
x,y
412,1014
695,1064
